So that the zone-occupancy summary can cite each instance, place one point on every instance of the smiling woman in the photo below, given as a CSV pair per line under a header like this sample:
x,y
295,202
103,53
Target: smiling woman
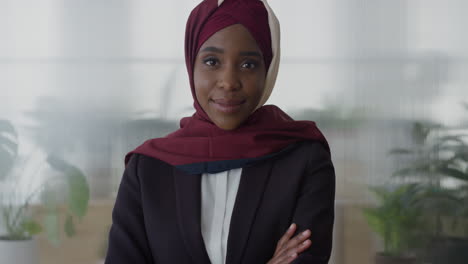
x,y
229,81
239,182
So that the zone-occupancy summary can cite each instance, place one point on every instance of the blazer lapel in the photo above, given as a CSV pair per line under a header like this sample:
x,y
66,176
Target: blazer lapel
x,y
249,195
188,202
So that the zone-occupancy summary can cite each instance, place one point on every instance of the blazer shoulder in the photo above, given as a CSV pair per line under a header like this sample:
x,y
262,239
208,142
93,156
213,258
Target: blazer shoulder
x,y
144,165
315,154
145,159
313,149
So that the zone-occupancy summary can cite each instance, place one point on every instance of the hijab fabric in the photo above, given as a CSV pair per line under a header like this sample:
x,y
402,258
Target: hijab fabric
x,y
199,146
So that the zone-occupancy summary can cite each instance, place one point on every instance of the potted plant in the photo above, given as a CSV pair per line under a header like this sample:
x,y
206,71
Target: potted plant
x,y
18,225
398,221
438,160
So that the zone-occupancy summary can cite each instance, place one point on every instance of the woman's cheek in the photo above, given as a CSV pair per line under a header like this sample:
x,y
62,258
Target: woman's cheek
x,y
204,84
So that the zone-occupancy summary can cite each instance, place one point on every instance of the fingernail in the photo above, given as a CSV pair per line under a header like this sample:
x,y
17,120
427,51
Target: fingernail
x,y
294,255
305,242
305,232
291,226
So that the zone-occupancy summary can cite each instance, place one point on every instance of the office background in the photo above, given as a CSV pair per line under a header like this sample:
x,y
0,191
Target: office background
x,y
90,80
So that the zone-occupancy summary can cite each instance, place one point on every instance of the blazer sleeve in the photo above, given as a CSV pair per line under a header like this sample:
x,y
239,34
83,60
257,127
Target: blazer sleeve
x,y
315,206
128,241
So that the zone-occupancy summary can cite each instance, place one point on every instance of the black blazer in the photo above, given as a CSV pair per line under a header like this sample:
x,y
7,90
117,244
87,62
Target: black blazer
x,y
156,217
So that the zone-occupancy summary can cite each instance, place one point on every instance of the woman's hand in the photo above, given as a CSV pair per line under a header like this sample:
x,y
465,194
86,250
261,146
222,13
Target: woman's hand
x,y
288,248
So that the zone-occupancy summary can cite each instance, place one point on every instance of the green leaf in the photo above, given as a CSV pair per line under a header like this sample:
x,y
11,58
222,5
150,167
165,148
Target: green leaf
x,y
454,138
32,227
69,226
49,197
414,170
78,193
78,188
51,224
376,220
8,147
380,192
454,173
461,153
397,218
420,132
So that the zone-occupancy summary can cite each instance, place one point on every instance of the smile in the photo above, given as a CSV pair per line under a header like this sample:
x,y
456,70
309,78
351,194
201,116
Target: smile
x,y
227,106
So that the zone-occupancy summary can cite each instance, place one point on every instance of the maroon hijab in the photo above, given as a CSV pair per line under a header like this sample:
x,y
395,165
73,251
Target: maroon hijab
x,y
200,146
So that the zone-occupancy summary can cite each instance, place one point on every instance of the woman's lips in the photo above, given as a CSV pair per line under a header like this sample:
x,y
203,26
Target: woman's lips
x,y
228,106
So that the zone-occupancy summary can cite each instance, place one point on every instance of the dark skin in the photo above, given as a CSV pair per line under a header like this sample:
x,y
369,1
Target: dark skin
x,y
229,77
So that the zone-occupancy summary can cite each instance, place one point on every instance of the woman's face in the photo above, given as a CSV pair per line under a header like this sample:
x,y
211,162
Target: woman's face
x,y
229,76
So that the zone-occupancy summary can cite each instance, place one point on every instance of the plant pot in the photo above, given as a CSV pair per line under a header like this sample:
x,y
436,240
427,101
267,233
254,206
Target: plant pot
x,y
19,251
385,259
445,250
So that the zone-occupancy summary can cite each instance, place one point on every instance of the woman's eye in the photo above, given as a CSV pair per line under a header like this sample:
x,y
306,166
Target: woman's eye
x,y
210,61
249,65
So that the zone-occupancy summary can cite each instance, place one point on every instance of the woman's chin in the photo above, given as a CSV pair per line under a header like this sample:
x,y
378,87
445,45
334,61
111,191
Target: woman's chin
x,y
230,125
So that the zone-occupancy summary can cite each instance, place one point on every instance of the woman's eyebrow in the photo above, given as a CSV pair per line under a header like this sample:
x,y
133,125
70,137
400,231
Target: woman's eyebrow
x,y
213,49
250,53
242,53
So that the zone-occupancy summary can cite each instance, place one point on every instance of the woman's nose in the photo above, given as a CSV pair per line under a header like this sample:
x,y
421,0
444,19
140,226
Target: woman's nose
x,y
229,79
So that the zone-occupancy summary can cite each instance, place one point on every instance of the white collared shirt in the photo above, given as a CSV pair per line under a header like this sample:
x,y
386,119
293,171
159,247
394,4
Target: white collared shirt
x,y
218,194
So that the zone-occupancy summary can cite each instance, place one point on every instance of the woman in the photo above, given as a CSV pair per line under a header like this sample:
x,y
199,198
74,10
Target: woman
x,y
226,186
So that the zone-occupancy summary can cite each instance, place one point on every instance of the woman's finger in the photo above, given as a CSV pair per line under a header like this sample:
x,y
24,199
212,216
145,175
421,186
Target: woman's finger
x,y
286,258
287,236
294,242
303,246
288,247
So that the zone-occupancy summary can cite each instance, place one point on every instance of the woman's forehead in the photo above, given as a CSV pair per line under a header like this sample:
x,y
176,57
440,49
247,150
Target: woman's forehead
x,y
234,37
